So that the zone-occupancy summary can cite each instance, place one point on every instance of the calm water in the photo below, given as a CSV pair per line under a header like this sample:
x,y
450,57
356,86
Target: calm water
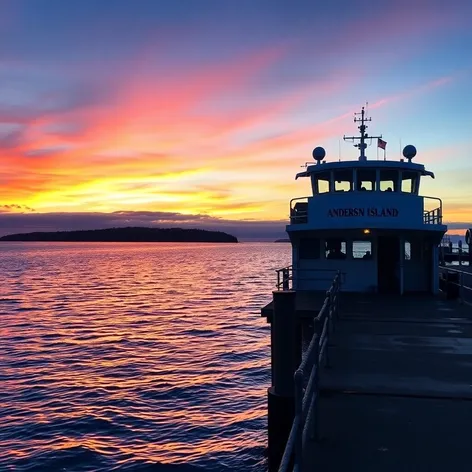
x,y
134,356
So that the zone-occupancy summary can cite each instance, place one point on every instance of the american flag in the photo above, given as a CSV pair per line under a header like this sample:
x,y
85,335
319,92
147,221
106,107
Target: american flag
x,y
381,143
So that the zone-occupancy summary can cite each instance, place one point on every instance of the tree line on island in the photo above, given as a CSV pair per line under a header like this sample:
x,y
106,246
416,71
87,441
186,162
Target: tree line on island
x,y
128,234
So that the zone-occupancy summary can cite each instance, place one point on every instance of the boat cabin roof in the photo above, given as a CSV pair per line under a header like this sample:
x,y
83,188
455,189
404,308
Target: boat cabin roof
x,y
352,176
349,166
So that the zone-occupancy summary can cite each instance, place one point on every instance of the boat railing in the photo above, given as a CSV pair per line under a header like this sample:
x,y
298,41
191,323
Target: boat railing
x,y
299,210
287,275
305,423
456,283
284,278
433,216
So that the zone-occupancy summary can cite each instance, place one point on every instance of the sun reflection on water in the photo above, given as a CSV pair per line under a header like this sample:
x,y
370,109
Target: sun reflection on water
x,y
113,354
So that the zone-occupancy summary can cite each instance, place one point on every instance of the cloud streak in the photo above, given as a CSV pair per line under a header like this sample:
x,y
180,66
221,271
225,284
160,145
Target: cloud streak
x,y
196,114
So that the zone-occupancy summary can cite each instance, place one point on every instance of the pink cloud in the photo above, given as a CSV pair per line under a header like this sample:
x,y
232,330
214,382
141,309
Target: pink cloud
x,y
413,92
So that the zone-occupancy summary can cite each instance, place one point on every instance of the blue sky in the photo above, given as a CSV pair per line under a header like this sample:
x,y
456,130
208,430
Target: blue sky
x,y
210,107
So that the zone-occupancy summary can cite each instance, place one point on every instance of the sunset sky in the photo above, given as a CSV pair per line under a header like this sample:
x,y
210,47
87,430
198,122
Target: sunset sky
x,y
201,112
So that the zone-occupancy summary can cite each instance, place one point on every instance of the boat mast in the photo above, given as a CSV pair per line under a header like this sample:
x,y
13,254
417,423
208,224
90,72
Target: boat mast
x,y
362,138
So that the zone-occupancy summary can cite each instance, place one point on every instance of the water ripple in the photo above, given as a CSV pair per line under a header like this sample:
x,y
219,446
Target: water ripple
x,y
134,357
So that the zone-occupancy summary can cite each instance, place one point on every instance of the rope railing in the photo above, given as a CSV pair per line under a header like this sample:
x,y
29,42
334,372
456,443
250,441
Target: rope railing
x,y
305,423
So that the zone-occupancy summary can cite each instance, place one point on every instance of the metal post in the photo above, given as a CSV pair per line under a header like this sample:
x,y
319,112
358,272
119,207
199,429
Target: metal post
x,y
327,362
315,430
299,412
329,293
285,354
402,263
338,288
434,275
286,278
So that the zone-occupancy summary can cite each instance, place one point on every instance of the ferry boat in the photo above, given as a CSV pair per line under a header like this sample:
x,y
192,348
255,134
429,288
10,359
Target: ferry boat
x,y
368,220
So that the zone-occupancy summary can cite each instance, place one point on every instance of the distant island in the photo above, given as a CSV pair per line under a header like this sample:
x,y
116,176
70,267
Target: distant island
x,y
282,241
129,234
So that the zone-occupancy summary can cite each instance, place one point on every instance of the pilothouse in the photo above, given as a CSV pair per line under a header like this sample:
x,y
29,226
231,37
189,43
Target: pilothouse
x,y
367,219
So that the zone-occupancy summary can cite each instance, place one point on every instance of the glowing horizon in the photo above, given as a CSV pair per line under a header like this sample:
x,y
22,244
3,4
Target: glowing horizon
x,y
195,114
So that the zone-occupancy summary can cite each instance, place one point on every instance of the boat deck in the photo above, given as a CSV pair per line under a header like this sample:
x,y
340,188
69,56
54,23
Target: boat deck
x,y
307,304
398,393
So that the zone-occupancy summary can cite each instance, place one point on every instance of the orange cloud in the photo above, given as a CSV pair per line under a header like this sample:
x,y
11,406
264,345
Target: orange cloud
x,y
160,138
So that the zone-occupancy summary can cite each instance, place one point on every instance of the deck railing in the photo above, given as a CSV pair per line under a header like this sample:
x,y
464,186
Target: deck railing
x,y
433,216
460,281
305,423
284,278
299,210
287,275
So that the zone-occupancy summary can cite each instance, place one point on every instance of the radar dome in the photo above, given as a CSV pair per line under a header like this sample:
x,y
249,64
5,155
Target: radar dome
x,y
409,152
319,153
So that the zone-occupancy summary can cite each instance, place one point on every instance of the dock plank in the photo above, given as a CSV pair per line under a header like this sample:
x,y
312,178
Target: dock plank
x,y
398,394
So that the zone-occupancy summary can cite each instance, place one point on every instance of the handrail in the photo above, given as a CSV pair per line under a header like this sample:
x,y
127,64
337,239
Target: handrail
x,y
463,281
305,423
434,216
285,276
433,198
298,215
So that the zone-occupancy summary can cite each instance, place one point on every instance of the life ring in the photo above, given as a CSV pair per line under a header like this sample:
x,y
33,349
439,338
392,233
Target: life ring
x,y
468,237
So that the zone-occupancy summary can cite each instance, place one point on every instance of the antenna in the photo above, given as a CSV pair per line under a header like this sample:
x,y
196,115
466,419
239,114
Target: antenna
x,y
362,138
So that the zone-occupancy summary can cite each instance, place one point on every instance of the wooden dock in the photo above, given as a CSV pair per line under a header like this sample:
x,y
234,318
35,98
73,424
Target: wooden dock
x,y
398,393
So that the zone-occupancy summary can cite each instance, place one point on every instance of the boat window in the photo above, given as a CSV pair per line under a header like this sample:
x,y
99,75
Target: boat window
x,y
410,182
407,250
366,179
322,182
414,250
362,250
335,249
388,181
343,180
309,248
